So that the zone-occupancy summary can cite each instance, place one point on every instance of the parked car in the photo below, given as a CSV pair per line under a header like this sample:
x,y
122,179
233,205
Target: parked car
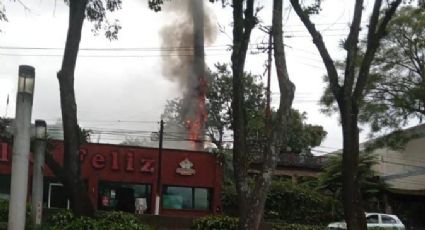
x,y
380,220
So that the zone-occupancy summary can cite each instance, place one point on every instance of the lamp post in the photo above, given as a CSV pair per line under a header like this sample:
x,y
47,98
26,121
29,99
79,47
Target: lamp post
x,y
37,176
21,148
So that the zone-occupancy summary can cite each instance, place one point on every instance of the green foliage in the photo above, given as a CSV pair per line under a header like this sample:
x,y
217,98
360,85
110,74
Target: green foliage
x,y
231,223
4,210
297,227
96,11
302,136
5,135
370,185
106,221
395,91
4,213
297,204
216,223
290,203
62,218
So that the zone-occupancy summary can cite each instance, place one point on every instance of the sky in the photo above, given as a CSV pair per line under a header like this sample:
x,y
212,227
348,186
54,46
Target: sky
x,y
120,86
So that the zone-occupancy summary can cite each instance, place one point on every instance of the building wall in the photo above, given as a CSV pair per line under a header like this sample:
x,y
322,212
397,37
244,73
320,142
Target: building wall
x,y
405,169
138,165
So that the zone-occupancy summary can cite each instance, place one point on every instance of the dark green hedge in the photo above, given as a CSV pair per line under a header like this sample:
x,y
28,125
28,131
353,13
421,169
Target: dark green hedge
x,y
292,204
296,204
106,221
231,223
4,213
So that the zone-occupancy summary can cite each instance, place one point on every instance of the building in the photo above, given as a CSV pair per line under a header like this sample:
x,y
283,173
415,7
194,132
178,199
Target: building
x,y
404,169
119,176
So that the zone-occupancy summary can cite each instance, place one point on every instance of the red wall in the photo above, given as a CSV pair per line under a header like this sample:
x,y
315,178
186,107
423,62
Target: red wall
x,y
116,163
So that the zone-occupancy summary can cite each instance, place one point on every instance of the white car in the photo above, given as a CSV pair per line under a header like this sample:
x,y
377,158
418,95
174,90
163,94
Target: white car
x,y
380,220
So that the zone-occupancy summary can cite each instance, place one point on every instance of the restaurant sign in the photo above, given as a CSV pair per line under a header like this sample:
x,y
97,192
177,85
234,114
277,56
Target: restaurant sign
x,y
186,168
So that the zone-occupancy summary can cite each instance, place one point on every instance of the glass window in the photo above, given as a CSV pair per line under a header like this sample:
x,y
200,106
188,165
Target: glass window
x,y
372,219
177,198
186,198
202,199
4,187
388,220
122,197
57,199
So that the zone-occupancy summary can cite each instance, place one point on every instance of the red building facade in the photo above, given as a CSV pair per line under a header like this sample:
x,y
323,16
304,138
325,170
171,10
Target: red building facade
x,y
117,176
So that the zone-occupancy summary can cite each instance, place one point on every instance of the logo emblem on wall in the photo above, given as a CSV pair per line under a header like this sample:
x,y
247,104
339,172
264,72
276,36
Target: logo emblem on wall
x,y
186,168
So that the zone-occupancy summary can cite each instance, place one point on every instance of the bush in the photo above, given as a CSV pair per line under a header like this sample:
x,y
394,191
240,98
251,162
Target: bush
x,y
4,210
300,205
107,221
4,213
297,227
62,218
120,221
291,204
231,223
215,223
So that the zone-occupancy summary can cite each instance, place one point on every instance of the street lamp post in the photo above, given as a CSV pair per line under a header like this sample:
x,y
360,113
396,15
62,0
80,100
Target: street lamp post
x,y
21,148
37,176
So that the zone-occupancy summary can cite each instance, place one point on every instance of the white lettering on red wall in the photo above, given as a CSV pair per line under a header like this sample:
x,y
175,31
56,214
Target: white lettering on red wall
x,y
99,161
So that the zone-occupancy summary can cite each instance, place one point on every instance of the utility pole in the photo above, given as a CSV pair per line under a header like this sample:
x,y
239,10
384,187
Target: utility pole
x,y
21,148
158,184
37,176
269,73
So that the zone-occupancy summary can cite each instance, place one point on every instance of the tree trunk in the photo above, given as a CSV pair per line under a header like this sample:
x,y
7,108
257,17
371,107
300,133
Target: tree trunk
x,y
252,200
351,196
241,35
79,197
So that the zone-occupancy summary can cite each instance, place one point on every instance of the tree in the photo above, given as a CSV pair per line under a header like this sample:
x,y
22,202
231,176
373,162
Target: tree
x,y
251,198
348,91
2,13
302,137
219,99
330,181
5,135
252,192
395,90
69,174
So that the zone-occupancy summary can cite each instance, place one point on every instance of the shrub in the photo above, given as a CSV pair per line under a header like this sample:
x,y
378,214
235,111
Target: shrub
x,y
290,203
82,223
297,227
296,204
4,213
4,210
64,219
120,221
215,223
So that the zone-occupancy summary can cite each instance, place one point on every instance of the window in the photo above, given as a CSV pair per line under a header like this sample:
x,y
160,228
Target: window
x,y
372,219
5,187
56,198
186,198
388,220
121,196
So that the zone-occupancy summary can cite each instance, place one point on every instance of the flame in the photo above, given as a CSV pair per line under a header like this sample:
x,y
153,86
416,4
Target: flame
x,y
195,125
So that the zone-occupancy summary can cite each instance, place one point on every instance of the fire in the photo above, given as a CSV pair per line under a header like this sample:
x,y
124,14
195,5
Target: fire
x,y
195,124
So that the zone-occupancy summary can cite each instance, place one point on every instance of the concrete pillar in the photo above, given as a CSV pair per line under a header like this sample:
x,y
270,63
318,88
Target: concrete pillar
x,y
21,149
37,177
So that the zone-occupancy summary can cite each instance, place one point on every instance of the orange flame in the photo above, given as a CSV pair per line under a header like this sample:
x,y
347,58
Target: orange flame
x,y
195,124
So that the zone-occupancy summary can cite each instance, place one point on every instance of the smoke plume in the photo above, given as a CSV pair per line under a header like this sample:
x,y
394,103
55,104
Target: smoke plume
x,y
191,26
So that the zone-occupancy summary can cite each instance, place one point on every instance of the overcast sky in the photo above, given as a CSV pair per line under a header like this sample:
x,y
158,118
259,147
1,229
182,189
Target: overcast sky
x,y
130,86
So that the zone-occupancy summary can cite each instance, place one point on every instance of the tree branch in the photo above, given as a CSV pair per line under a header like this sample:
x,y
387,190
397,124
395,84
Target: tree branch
x,y
318,41
351,45
372,46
